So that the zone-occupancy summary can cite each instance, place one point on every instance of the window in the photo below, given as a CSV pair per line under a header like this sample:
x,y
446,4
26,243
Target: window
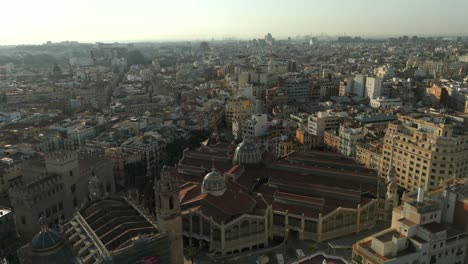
x,y
23,220
71,173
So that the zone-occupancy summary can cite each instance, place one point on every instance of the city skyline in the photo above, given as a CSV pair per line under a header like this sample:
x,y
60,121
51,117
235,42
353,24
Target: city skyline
x,y
143,20
197,132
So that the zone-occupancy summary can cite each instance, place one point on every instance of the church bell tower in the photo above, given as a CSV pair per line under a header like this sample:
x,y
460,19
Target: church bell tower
x,y
168,213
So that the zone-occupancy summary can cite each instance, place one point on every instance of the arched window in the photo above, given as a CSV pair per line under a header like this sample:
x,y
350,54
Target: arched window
x,y
171,203
235,232
185,224
245,228
195,223
363,216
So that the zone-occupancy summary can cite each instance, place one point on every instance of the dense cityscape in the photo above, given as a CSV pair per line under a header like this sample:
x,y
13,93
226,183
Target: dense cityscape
x,y
305,149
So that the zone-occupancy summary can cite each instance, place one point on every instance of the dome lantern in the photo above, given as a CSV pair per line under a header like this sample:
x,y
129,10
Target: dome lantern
x,y
213,183
247,152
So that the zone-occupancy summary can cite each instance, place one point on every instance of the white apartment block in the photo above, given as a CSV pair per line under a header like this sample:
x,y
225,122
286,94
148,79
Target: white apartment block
x,y
317,124
373,87
385,103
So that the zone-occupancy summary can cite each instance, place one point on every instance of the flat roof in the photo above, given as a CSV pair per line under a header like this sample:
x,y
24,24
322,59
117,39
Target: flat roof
x,y
407,222
386,237
434,227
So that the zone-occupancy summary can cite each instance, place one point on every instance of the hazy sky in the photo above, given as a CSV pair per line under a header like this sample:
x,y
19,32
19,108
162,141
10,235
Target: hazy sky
x,y
36,21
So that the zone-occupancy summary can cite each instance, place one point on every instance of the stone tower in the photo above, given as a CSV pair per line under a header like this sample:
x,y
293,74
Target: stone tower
x,y
95,187
168,213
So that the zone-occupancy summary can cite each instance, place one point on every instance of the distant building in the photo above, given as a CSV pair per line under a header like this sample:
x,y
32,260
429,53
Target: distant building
x,y
331,140
374,87
379,120
276,96
150,149
345,87
441,95
359,85
297,87
282,146
322,121
239,110
9,116
270,41
385,103
255,126
328,87
349,136
369,154
307,140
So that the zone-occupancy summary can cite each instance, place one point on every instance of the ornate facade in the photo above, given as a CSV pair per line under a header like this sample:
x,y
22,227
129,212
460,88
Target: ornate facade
x,y
270,198
55,186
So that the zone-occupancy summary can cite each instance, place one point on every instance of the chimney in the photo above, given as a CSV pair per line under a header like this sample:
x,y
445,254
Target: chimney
x,y
420,198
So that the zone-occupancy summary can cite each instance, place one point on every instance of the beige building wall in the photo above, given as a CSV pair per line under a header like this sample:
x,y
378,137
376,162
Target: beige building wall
x,y
240,110
424,153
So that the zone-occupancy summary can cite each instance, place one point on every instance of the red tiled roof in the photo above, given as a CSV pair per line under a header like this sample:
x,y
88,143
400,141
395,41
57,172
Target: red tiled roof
x,y
297,210
320,170
235,201
299,198
294,182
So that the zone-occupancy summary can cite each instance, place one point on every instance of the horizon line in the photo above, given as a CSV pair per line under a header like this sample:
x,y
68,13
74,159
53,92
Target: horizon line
x,y
234,38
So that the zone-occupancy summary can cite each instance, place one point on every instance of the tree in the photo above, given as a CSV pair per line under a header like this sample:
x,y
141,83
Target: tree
x,y
197,136
291,252
313,247
191,252
174,150
135,57
134,170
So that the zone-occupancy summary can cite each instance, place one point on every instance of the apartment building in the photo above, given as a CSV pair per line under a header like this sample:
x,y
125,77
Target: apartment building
x,y
239,110
318,123
425,150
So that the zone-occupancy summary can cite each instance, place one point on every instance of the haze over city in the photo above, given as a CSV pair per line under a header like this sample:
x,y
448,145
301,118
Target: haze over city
x,y
249,132
34,22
